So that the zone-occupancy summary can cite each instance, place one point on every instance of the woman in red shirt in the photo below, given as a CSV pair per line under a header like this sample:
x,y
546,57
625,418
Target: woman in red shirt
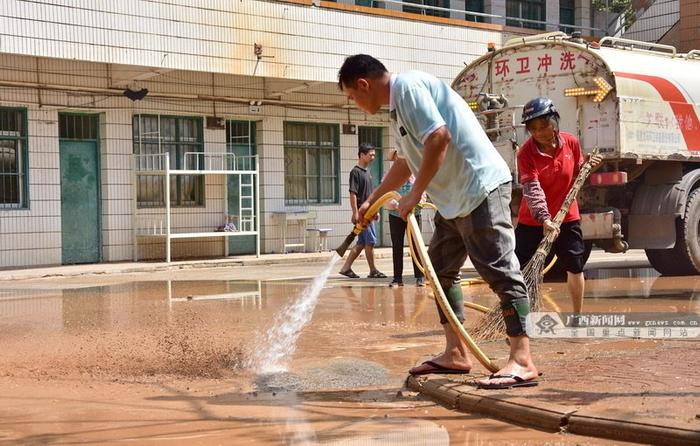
x,y
548,164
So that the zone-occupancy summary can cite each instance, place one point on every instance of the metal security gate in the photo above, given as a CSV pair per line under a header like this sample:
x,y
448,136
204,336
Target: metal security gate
x,y
80,189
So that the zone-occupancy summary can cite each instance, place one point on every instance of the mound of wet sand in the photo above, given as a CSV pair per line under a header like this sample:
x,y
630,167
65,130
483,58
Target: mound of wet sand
x,y
341,373
186,348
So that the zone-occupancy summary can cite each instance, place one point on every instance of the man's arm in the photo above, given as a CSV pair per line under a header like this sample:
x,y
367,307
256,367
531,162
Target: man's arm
x,y
353,207
396,177
353,186
435,149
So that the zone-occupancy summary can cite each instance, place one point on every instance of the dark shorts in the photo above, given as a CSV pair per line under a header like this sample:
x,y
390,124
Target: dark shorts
x,y
568,247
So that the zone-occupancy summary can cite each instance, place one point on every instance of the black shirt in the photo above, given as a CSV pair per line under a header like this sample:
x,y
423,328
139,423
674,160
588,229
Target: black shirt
x,y
360,184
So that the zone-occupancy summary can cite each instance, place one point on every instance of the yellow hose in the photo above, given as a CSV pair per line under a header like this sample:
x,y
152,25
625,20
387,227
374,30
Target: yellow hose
x,y
421,258
423,204
467,282
477,307
472,281
551,264
372,211
369,215
553,305
442,299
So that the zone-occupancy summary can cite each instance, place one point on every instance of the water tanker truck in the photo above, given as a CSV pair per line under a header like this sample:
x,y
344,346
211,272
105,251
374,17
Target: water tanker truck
x,y
637,104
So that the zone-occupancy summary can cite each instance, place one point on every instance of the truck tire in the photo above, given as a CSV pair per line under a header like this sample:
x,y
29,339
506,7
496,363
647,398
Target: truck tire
x,y
684,258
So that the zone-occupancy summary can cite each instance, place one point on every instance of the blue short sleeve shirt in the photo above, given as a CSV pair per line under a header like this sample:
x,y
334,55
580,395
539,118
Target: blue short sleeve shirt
x,y
419,105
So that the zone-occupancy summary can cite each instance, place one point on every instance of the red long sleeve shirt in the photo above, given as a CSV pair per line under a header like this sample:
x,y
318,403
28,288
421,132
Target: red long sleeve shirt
x,y
556,174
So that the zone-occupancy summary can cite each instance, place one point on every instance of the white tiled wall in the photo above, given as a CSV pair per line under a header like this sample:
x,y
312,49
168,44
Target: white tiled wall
x,y
83,44
33,236
299,41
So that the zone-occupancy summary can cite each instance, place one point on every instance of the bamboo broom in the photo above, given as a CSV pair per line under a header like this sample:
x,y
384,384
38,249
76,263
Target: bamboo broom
x,y
491,325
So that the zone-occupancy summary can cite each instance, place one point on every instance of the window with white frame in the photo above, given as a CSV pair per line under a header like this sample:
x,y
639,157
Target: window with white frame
x,y
13,158
175,135
240,141
311,163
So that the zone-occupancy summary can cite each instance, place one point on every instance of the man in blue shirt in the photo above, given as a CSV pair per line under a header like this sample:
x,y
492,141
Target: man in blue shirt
x,y
453,160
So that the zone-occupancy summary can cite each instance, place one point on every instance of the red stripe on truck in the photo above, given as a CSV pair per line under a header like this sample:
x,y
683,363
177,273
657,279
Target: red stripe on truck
x,y
688,122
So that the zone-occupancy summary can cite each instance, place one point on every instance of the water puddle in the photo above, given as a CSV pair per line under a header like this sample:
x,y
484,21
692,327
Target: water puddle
x,y
164,361
626,273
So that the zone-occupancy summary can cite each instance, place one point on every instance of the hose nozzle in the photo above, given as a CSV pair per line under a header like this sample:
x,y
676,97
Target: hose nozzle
x,y
346,244
369,215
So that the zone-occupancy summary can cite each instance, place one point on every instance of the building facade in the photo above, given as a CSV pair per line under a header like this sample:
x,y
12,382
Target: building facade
x,y
669,22
90,88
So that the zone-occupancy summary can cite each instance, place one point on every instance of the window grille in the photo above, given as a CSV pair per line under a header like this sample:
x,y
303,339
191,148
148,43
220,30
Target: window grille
x,y
78,127
311,163
13,159
525,9
155,134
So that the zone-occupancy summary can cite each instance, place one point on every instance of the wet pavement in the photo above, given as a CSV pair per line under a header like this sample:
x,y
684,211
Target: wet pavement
x,y
163,360
138,357
631,389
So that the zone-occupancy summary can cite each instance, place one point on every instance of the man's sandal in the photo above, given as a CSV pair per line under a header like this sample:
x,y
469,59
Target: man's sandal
x,y
350,273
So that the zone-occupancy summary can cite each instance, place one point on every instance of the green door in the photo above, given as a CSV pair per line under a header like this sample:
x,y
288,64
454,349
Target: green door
x,y
241,142
373,135
80,201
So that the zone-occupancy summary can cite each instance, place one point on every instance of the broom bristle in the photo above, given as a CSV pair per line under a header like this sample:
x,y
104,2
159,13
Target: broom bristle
x,y
491,326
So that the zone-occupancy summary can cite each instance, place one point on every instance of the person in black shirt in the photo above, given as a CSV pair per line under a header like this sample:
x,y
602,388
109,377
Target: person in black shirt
x,y
360,188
